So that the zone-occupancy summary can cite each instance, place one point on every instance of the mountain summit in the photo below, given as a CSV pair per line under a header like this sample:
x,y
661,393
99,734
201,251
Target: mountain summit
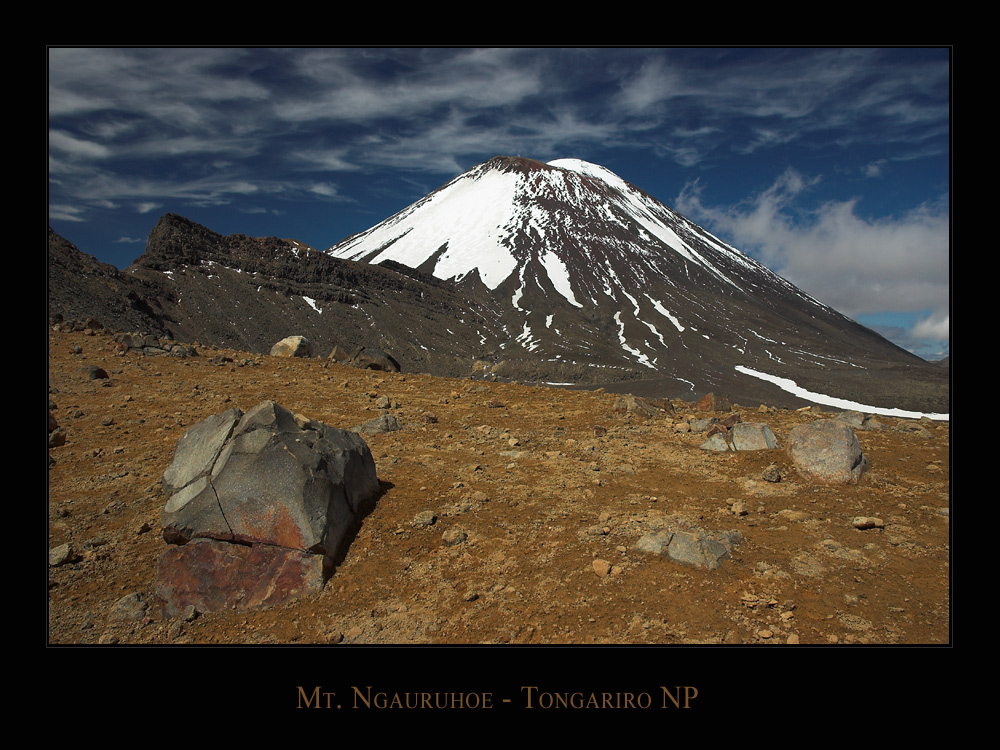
x,y
583,269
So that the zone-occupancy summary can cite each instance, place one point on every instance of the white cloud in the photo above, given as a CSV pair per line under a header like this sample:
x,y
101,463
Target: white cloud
x,y
66,213
855,264
933,328
76,147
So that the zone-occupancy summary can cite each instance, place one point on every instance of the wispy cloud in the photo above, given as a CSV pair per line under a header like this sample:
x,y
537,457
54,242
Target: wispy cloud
x,y
855,264
342,109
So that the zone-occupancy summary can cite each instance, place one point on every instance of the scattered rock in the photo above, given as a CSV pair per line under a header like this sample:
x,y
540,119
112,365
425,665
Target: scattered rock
x,y
698,551
454,536
868,522
210,575
693,547
151,345
602,567
852,418
915,429
424,518
93,372
771,474
374,359
702,425
130,608
60,555
713,402
292,346
383,423
629,404
339,354
752,436
716,443
655,542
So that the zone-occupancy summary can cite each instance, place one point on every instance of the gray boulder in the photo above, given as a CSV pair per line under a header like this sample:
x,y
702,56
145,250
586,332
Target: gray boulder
x,y
694,547
269,478
717,443
742,436
827,451
752,436
384,423
697,550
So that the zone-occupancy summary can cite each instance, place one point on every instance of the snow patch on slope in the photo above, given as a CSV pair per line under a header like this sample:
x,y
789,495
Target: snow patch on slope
x,y
792,387
468,215
559,276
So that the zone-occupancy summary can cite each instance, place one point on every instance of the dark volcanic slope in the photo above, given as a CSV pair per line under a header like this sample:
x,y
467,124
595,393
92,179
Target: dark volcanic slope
x,y
80,287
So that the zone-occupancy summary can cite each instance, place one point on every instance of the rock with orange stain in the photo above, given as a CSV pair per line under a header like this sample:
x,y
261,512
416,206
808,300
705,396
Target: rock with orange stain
x,y
210,575
266,477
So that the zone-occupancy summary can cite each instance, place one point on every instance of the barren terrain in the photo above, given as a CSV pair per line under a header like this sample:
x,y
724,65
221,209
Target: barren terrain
x,y
551,509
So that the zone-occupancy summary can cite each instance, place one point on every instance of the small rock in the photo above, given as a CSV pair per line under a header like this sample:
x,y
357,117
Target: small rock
x,y
93,372
454,536
655,542
602,567
713,402
716,443
868,522
60,555
385,423
424,518
771,474
130,607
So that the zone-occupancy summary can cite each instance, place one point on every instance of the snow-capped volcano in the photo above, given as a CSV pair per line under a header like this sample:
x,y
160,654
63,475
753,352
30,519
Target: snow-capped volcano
x,y
573,265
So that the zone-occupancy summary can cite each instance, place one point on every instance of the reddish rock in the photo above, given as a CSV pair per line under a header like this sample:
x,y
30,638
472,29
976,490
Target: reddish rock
x,y
211,575
713,402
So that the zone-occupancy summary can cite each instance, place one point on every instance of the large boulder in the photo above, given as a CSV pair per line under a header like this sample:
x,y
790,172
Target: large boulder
x,y
266,477
292,346
826,451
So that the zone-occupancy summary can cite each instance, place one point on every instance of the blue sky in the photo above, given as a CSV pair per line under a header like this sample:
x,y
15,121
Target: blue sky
x,y
830,165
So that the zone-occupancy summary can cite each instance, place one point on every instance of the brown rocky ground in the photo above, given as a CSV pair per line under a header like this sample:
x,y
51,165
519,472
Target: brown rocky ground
x,y
551,513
